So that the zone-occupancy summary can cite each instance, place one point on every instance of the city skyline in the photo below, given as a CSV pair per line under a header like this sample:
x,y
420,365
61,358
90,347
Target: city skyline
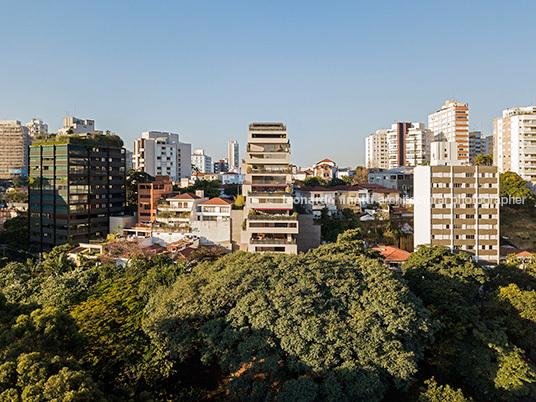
x,y
205,71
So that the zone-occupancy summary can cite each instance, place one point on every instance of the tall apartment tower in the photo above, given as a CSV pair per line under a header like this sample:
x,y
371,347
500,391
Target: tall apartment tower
x,y
514,137
396,144
162,154
14,142
417,145
475,145
377,155
234,156
452,122
37,128
487,145
202,161
76,184
458,208
270,224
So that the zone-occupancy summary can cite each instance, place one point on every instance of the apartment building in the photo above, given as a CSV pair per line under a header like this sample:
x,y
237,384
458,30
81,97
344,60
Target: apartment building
x,y
234,156
452,122
270,224
400,178
514,137
417,145
458,207
475,145
201,161
37,128
162,154
176,212
14,142
76,185
396,144
149,195
377,154
443,153
220,166
74,125
487,145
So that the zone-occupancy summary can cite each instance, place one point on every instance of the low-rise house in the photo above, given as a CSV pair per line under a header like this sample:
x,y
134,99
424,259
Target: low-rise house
x,y
393,257
178,211
400,179
314,199
149,195
301,175
325,169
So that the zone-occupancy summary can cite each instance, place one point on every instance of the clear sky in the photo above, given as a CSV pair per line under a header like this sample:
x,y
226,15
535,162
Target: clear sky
x,y
332,71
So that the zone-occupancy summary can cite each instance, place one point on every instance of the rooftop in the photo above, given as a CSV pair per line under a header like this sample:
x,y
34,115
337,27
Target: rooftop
x,y
218,201
92,140
392,253
185,196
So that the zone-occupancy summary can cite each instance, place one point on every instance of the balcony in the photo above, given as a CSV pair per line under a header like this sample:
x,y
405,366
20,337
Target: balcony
x,y
275,158
272,241
267,193
268,217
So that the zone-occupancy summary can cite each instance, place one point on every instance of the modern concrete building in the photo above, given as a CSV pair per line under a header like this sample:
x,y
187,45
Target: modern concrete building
x,y
220,166
76,185
270,224
377,153
452,122
487,145
396,144
201,161
458,207
417,145
162,154
14,142
36,128
444,153
128,160
515,142
234,156
149,195
400,178
475,145
73,125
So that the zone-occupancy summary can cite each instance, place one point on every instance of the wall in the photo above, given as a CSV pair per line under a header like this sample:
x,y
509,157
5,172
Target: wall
x,y
213,232
309,235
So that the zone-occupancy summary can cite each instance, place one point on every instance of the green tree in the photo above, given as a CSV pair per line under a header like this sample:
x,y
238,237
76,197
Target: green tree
x,y
239,202
314,181
484,160
511,184
360,175
20,181
210,187
56,262
15,232
440,393
321,325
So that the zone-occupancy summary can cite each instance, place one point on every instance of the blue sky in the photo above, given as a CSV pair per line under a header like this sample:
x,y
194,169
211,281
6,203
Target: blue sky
x,y
332,71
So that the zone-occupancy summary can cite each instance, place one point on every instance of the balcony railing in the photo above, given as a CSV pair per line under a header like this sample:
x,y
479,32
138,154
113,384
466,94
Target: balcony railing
x,y
268,193
267,217
272,241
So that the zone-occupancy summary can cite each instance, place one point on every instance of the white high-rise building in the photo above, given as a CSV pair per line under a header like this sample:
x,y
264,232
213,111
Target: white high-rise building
x,y
377,155
452,122
417,145
234,156
201,161
514,139
162,154
36,127
14,143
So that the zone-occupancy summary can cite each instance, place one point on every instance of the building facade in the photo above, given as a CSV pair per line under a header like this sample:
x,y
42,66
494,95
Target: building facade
x,y
396,144
14,142
74,190
234,156
487,145
326,169
270,224
221,166
149,195
514,139
452,122
162,154
201,161
400,178
417,147
36,128
458,207
376,148
74,125
475,145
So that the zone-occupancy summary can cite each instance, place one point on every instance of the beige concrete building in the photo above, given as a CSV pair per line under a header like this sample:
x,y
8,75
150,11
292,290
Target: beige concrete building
x,y
452,123
14,143
514,137
458,207
377,152
269,224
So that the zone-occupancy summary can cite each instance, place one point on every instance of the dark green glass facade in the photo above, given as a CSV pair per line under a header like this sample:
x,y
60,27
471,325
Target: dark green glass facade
x,y
74,189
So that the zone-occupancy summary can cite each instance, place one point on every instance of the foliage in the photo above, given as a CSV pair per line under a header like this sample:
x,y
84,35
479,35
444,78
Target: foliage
x,y
232,190
90,140
484,160
511,184
333,225
343,323
15,232
239,202
16,196
39,352
314,181
134,178
440,393
20,181
210,187
56,262
360,175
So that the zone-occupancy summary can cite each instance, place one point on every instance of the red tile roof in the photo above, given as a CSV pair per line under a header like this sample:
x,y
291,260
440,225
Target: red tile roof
x,y
325,160
218,201
524,254
185,196
392,253
507,250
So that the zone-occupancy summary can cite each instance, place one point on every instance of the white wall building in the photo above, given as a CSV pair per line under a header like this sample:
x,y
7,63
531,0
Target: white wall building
x,y
234,156
444,153
159,153
515,142
377,155
37,127
73,125
452,122
201,161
